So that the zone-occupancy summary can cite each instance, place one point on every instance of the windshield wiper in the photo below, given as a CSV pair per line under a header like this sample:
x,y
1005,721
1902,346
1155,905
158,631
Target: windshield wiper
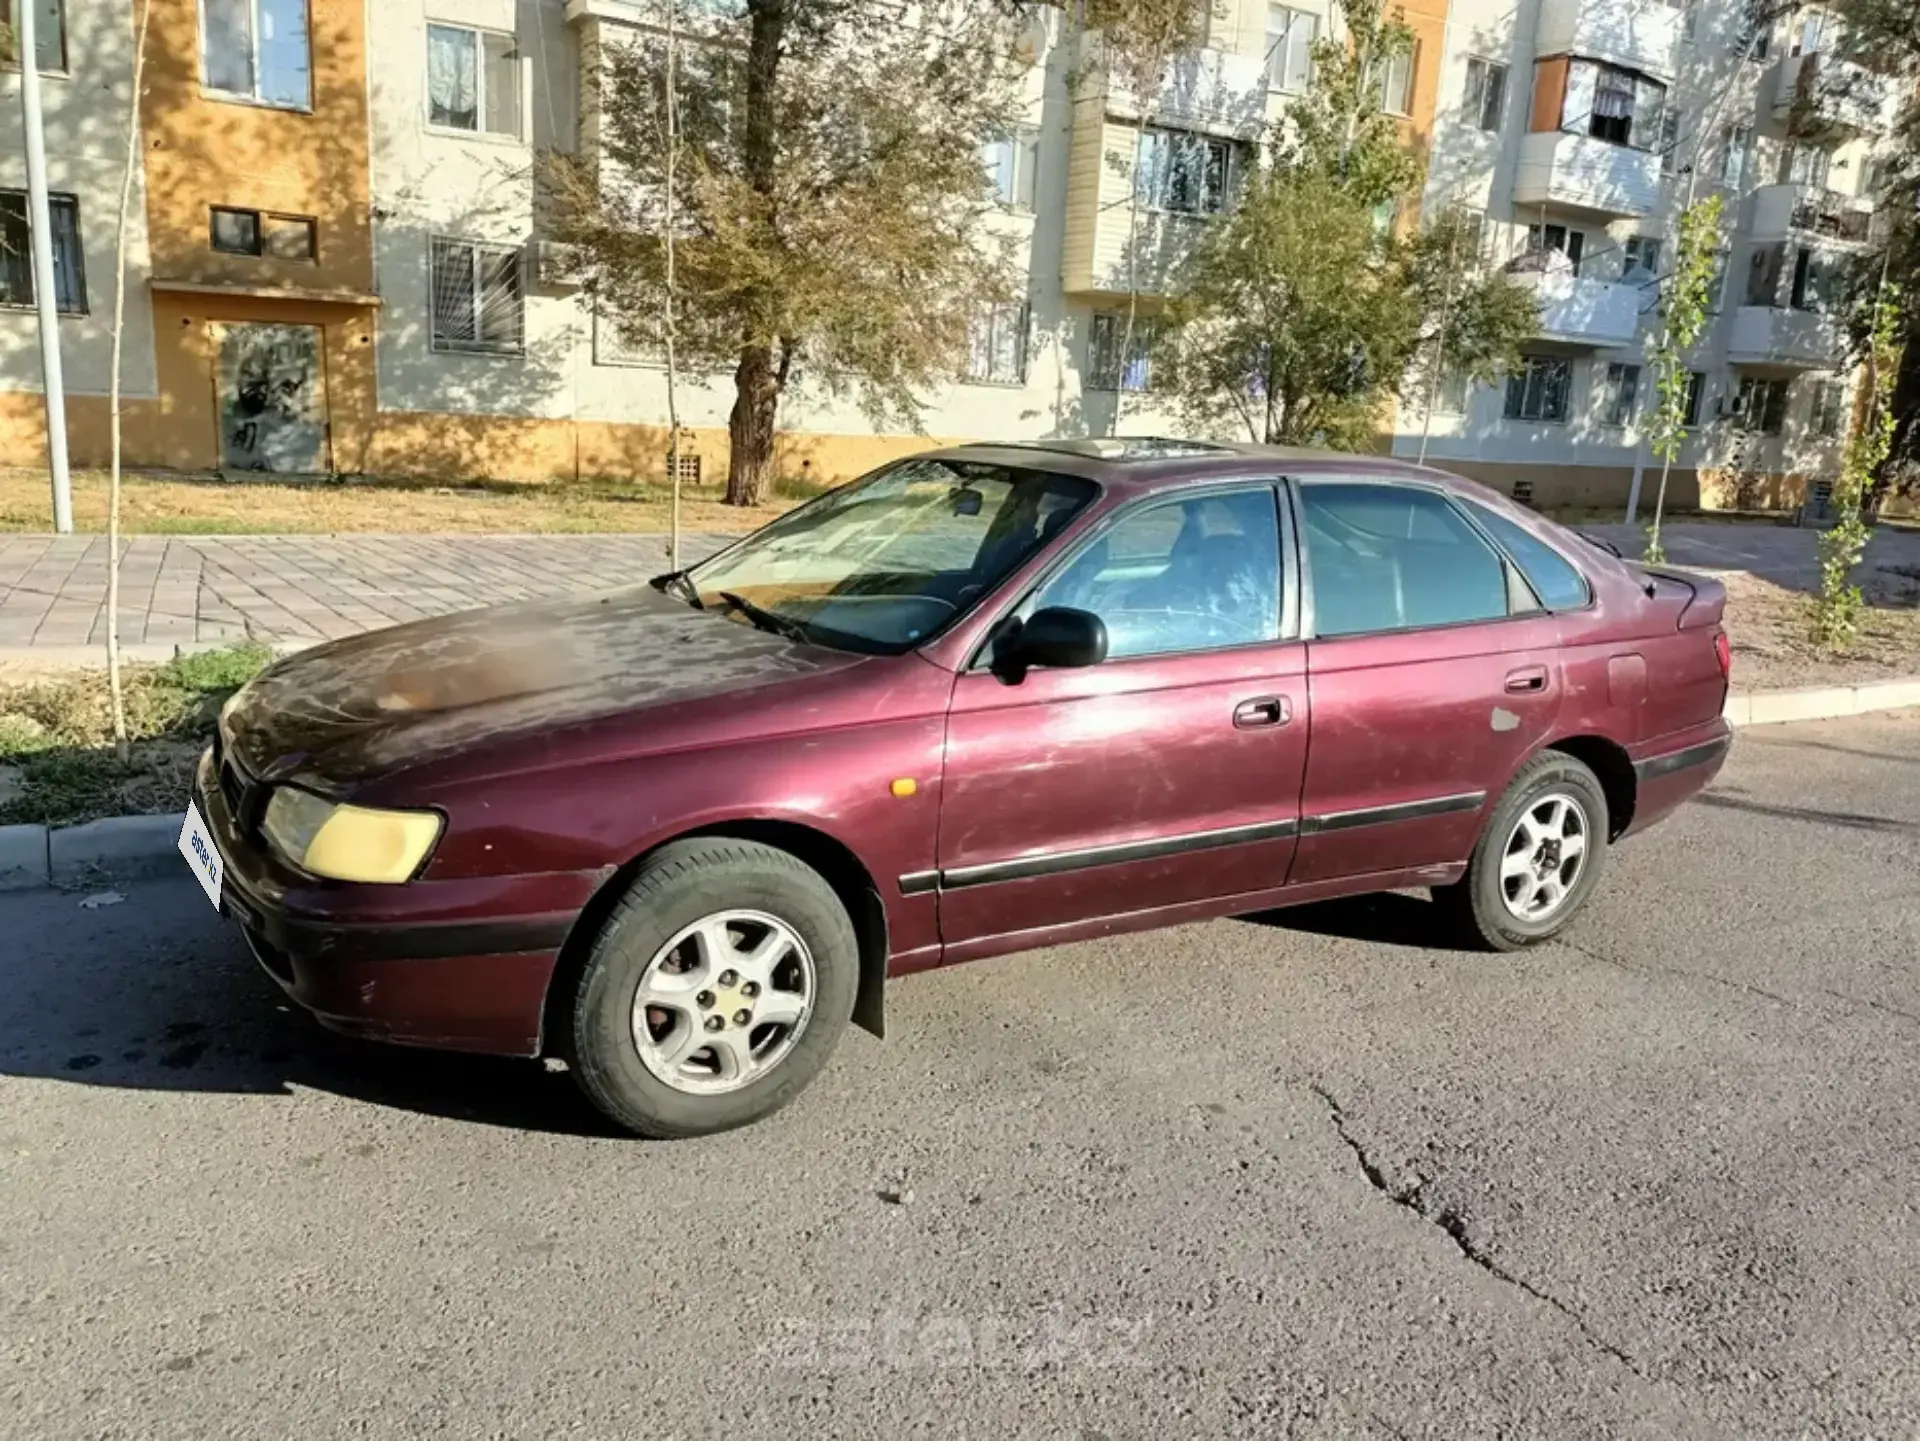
x,y
677,582
764,619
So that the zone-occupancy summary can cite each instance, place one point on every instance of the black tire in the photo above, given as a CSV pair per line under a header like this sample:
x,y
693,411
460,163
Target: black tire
x,y
1476,905
678,885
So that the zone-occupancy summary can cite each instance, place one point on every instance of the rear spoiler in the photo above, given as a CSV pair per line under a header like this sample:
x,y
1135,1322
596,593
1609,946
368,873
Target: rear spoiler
x,y
1706,598
1600,542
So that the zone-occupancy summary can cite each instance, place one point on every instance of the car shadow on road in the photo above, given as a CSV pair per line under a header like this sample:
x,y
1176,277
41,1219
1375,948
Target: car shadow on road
x,y
204,1018
1387,918
1849,820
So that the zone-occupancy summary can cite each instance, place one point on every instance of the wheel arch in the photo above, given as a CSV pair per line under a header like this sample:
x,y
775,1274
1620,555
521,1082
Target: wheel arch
x,y
842,870
1613,767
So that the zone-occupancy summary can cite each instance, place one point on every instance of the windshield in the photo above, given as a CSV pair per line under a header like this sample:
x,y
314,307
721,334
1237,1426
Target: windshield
x,y
883,564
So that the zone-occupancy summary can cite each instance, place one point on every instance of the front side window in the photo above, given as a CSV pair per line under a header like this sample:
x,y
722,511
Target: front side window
x,y
1186,575
1010,162
1108,368
257,50
997,344
1619,394
1553,577
16,253
477,298
473,80
1486,92
1396,557
1182,172
882,565
1290,37
1539,389
49,33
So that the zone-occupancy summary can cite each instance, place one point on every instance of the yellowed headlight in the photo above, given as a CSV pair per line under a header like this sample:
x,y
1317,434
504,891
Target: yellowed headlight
x,y
349,843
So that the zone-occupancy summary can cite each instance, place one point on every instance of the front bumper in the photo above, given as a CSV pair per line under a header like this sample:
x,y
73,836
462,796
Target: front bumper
x,y
459,965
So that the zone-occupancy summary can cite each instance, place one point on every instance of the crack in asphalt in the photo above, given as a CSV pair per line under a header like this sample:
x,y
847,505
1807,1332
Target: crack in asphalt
x,y
1413,1199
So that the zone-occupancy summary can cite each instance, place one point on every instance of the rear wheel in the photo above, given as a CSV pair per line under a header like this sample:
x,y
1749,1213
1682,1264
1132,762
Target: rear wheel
x,y
1538,859
715,991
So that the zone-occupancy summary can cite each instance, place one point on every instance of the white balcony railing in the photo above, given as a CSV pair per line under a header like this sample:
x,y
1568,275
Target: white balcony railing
x,y
1578,310
1823,89
1214,91
1781,212
1793,339
1639,34
1560,168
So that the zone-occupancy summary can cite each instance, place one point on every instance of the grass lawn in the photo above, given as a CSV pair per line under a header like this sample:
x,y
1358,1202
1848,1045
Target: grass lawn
x,y
181,505
57,759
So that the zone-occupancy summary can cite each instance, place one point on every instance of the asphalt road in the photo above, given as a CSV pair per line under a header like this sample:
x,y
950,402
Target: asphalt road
x,y
1303,1176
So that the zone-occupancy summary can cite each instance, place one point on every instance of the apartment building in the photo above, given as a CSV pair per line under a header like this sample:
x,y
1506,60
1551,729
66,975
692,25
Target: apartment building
x,y
337,266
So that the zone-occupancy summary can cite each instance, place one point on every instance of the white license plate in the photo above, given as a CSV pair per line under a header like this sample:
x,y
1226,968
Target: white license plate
x,y
202,854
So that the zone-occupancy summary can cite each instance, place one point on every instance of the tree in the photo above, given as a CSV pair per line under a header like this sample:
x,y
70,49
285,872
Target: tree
x,y
1305,311
828,204
1685,307
1836,616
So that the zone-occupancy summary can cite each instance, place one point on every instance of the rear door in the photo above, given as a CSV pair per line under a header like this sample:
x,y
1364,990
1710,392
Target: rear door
x,y
1433,674
1170,772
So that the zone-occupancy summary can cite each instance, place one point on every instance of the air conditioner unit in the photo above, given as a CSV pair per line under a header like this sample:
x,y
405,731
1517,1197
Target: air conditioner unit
x,y
557,265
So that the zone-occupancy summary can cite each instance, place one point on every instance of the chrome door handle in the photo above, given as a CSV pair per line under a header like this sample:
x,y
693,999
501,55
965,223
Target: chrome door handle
x,y
1266,710
1527,679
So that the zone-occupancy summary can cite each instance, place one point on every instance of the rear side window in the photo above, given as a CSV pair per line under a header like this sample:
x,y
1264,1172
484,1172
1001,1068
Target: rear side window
x,y
1395,557
1554,580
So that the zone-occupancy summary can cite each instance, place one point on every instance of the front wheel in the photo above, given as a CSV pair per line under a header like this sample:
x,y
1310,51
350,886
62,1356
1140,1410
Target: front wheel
x,y
1538,859
715,991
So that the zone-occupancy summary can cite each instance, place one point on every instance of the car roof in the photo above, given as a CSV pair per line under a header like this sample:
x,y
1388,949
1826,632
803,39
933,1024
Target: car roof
x,y
1153,460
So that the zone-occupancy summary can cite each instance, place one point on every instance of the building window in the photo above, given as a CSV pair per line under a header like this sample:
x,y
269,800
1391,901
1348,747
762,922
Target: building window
x,y
1735,143
1109,329
473,80
997,344
1454,392
249,232
257,50
1755,36
1642,263
1619,397
1761,406
1486,93
1829,408
1717,280
1819,281
49,34
1696,392
1538,390
16,254
1690,20
1610,103
1572,244
1290,37
1396,82
1670,143
477,298
1184,173
1809,165
1010,163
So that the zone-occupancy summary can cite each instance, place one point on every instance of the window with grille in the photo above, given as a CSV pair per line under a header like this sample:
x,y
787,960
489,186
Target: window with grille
x,y
257,50
1486,92
478,300
473,80
16,262
1108,334
1539,389
1290,37
685,468
997,344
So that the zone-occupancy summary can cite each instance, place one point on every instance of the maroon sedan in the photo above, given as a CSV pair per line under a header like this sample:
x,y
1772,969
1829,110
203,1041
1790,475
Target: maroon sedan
x,y
984,700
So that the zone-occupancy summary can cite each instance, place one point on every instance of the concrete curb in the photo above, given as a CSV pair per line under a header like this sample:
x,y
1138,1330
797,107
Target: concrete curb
x,y
128,847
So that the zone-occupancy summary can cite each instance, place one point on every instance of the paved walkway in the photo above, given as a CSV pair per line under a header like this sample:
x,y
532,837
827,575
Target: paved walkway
x,y
197,591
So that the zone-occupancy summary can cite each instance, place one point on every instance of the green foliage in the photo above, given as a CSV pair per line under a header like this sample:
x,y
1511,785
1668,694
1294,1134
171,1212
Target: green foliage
x,y
1836,614
1685,305
207,671
1303,314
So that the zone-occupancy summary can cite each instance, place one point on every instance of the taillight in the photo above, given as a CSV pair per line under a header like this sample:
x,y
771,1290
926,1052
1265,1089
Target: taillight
x,y
1723,648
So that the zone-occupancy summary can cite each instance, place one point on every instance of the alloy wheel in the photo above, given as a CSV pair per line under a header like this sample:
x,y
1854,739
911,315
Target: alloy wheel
x,y
1544,856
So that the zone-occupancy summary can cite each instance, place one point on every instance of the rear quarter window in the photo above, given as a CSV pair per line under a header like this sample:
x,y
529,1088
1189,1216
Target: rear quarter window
x,y
1554,578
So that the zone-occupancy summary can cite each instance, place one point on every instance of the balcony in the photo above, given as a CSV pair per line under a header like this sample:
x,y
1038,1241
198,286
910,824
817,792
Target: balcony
x,y
1823,92
1099,264
1638,34
1794,212
1211,91
1575,310
1561,168
1785,339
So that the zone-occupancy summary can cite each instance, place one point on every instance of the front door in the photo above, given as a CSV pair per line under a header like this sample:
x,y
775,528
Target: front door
x,y
1169,773
1433,675
272,393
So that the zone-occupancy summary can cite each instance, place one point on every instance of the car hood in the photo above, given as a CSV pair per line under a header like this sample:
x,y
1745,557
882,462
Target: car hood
x,y
355,709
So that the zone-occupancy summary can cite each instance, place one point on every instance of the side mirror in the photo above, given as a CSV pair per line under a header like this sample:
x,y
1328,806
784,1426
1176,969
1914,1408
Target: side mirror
x,y
1058,637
